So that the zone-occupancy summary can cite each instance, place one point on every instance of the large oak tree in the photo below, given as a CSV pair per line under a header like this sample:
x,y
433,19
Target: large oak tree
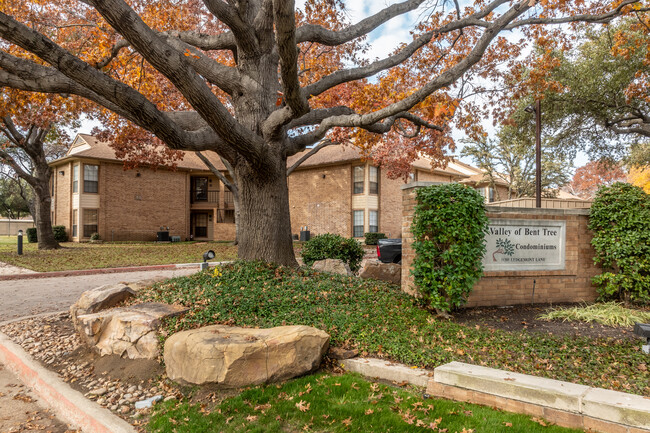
x,y
245,92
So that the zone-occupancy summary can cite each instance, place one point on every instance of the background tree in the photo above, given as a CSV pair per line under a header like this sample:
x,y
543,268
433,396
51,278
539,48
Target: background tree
x,y
31,127
511,157
591,176
595,94
235,72
14,198
640,176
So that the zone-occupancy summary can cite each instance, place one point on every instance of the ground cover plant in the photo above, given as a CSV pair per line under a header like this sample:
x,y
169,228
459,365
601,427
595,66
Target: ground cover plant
x,y
378,319
605,313
347,403
112,255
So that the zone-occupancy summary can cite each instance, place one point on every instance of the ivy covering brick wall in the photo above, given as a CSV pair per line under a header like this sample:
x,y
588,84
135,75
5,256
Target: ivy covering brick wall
x,y
449,227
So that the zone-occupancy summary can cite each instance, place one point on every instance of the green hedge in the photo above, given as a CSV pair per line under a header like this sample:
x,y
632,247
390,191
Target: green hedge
x,y
372,238
449,226
59,234
331,246
620,220
32,237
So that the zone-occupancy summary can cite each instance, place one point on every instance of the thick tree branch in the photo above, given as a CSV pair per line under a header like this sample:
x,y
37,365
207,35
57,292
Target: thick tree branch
x,y
373,121
173,65
214,170
244,34
285,35
586,18
314,117
321,35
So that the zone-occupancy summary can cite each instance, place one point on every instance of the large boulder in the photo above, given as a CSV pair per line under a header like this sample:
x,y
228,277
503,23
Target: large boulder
x,y
391,272
129,332
235,357
100,298
334,266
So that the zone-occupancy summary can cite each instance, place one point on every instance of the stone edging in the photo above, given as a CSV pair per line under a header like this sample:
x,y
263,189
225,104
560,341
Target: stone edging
x,y
69,405
562,403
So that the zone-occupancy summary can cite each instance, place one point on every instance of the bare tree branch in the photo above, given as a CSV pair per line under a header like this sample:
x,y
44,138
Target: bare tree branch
x,y
312,152
244,34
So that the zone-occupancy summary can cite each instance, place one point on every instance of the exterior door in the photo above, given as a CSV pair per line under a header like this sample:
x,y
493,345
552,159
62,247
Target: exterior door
x,y
200,225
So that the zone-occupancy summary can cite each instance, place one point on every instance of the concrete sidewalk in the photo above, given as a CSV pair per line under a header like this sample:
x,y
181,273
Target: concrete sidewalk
x,y
27,297
21,409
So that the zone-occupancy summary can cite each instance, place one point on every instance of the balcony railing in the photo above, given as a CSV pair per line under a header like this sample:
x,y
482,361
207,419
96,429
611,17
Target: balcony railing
x,y
203,196
228,200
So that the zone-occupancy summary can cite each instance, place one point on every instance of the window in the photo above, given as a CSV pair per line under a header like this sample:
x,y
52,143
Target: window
x,y
491,195
75,221
374,180
91,218
75,178
357,229
481,191
91,178
359,174
373,222
200,188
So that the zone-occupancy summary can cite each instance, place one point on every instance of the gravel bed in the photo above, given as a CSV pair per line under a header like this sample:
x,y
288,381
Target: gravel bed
x,y
53,342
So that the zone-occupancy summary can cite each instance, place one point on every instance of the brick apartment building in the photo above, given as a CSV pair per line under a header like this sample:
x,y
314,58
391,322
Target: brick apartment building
x,y
334,191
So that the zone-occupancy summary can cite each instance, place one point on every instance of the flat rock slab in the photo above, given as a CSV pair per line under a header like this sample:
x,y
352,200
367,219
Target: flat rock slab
x,y
235,357
129,332
100,298
334,266
386,370
523,387
619,407
390,272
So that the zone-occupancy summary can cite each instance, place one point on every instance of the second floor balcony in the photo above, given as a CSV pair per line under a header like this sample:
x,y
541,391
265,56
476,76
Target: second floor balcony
x,y
213,197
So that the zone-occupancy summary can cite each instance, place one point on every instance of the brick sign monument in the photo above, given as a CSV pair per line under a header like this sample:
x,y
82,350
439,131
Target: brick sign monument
x,y
532,255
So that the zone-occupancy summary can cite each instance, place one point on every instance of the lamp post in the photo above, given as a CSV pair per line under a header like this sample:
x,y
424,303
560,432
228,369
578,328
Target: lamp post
x,y
537,109
20,242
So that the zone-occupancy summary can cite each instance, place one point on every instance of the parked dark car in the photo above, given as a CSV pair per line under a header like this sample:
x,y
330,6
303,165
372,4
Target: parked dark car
x,y
389,250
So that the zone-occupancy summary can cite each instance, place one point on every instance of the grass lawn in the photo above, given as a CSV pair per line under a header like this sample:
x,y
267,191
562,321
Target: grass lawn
x,y
111,255
380,320
347,403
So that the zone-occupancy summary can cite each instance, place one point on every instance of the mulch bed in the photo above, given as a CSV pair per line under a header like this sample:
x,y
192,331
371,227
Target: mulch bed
x,y
524,318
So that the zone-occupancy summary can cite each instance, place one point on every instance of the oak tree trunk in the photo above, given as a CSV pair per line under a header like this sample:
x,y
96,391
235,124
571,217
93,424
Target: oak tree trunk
x,y
43,202
264,227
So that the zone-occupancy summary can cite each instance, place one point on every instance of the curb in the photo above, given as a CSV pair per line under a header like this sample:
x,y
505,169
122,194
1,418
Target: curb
x,y
69,405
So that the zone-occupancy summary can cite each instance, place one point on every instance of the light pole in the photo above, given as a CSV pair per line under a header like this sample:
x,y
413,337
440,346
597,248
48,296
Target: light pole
x,y
537,109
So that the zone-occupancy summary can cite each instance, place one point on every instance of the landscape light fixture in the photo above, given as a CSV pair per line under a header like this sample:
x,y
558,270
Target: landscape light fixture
x,y
208,255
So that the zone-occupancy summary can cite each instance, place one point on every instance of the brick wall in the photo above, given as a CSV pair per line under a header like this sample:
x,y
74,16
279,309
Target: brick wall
x,y
132,206
573,284
321,198
390,206
62,197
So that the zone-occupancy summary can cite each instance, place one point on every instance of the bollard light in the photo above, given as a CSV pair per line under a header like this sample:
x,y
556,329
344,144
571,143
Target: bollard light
x,y
20,242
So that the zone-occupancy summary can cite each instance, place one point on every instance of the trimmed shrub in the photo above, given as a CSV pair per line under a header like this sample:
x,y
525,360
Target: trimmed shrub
x,y
372,238
331,246
32,237
449,226
95,237
620,220
59,234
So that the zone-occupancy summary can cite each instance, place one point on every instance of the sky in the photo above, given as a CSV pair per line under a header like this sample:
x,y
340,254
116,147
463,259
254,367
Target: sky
x,y
382,41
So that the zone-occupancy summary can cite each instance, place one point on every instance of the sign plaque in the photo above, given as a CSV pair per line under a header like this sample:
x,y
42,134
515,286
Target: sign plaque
x,y
525,245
